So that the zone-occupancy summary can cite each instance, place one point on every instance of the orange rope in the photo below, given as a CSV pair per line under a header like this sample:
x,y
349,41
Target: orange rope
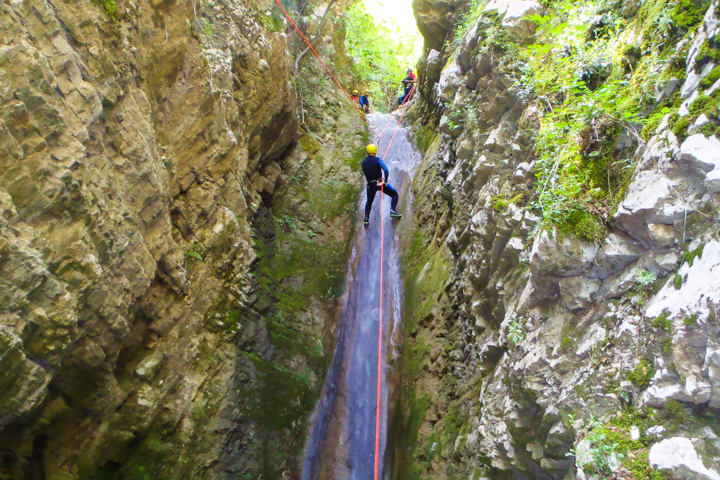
x,y
380,329
380,323
312,49
382,223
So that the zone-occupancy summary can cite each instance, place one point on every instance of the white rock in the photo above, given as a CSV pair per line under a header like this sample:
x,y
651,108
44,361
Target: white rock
x,y
646,195
712,360
701,153
564,257
678,455
595,334
663,387
696,292
655,431
514,13
684,109
616,252
634,433
577,292
712,181
701,121
449,81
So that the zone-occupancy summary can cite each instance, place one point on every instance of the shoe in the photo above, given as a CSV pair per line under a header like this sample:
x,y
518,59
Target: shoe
x,y
366,222
395,214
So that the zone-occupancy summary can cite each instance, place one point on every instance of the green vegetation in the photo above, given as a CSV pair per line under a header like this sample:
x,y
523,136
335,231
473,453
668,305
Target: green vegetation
x,y
515,331
640,469
501,201
193,255
689,256
426,272
610,444
642,374
602,450
662,322
594,81
380,56
110,7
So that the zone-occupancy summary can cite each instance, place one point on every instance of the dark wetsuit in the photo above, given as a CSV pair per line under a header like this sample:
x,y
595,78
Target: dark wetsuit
x,y
373,168
365,103
408,82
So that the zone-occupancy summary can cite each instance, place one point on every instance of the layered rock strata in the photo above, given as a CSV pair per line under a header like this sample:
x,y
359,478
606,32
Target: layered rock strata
x,y
527,350
139,143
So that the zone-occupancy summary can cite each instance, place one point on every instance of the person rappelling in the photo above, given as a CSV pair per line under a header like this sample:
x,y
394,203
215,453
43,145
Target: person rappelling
x,y
354,96
365,102
408,82
373,168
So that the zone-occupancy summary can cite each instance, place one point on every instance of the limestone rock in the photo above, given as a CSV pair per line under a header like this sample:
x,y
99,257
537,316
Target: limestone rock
x,y
514,13
563,257
616,252
701,153
677,457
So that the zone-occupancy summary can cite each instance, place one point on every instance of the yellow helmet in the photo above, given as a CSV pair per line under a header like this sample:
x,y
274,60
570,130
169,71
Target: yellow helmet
x,y
355,92
372,149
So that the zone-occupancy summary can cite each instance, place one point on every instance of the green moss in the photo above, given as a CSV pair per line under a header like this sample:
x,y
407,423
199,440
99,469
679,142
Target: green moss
x,y
642,374
425,273
685,14
680,127
582,224
677,281
711,78
501,201
110,7
309,144
662,322
640,469
690,255
690,320
708,52
707,104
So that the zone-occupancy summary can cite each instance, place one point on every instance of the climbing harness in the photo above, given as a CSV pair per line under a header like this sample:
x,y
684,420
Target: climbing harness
x,y
382,222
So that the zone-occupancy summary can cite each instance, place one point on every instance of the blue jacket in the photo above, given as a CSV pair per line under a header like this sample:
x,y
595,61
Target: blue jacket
x,y
373,167
364,101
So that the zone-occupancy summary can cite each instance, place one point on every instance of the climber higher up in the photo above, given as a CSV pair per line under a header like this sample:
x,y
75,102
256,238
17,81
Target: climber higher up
x,y
365,102
373,168
408,83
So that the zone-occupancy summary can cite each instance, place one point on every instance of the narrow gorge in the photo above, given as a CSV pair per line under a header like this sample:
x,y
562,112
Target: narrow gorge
x,y
187,285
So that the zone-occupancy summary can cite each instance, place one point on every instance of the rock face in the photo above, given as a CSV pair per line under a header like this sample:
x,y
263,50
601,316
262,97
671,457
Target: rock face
x,y
515,331
139,143
678,455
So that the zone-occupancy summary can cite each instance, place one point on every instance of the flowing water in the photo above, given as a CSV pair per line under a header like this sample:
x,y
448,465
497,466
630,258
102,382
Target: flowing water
x,y
342,436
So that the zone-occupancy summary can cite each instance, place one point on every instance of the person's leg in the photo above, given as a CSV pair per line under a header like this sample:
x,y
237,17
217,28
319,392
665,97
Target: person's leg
x,y
393,194
370,190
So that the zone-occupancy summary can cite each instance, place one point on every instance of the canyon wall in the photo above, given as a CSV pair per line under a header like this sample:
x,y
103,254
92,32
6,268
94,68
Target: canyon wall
x,y
157,176
556,329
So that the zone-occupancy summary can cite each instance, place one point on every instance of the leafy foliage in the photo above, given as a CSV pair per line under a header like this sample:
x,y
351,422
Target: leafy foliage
x,y
515,331
593,73
380,55
601,453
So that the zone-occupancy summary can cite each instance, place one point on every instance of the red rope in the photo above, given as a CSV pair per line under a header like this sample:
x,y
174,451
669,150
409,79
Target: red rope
x,y
382,223
312,49
380,323
380,329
